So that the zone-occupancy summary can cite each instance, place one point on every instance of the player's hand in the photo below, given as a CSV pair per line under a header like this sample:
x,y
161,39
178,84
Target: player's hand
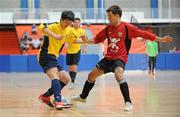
x,y
166,39
83,37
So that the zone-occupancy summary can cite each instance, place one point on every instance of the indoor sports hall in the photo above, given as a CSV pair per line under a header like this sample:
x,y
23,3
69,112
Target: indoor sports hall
x,y
154,93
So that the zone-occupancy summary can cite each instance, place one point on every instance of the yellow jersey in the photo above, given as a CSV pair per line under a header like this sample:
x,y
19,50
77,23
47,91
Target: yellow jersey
x,y
73,35
51,45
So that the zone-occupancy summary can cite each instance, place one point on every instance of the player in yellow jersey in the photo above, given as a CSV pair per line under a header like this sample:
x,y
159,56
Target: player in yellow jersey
x,y
54,39
74,50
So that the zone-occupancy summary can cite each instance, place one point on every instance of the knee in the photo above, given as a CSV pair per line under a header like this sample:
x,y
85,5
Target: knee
x,y
91,77
67,81
64,79
72,68
119,73
119,77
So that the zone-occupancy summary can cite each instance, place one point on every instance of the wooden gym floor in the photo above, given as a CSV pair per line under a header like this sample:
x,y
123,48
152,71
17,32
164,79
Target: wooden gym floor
x,y
152,96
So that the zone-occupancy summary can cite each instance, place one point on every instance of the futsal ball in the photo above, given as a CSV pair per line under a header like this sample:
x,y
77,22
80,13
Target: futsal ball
x,y
64,100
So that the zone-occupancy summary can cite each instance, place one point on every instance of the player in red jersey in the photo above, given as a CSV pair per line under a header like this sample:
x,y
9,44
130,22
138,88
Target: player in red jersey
x,y
119,35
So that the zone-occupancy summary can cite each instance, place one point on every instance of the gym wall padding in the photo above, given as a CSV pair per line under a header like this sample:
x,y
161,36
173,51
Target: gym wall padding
x,y
5,63
29,63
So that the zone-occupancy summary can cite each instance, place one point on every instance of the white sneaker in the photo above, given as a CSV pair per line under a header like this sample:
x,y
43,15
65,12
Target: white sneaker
x,y
78,98
72,85
128,106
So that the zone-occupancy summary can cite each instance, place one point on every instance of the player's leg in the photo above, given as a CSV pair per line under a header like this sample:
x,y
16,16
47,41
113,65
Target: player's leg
x,y
119,70
89,84
153,65
73,69
149,64
53,74
63,81
72,73
49,65
72,61
63,78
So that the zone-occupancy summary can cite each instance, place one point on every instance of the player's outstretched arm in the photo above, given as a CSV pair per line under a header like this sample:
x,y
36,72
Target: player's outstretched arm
x,y
80,41
49,32
84,40
165,39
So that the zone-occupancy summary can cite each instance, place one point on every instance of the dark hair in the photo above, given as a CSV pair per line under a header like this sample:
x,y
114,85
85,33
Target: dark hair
x,y
67,15
115,9
77,18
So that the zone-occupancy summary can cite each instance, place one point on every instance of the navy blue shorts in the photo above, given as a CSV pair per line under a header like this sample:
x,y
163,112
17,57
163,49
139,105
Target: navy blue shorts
x,y
49,61
110,65
73,59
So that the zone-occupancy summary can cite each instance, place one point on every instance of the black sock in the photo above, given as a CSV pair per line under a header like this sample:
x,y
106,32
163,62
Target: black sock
x,y
50,91
62,84
124,90
86,89
72,75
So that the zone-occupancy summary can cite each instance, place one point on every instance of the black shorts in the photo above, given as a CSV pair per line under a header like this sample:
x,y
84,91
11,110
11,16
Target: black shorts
x,y
73,59
110,65
49,61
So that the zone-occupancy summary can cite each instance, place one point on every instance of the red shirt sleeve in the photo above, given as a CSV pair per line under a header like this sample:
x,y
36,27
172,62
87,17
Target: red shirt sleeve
x,y
134,32
101,36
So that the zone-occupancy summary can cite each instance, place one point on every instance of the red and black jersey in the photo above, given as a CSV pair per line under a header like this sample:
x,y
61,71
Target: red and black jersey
x,y
117,44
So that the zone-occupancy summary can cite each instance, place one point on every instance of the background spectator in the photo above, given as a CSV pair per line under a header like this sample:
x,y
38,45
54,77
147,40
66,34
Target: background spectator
x,y
34,30
173,50
152,52
24,42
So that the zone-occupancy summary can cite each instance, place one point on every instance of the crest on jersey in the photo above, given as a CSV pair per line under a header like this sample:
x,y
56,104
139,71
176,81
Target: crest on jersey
x,y
120,34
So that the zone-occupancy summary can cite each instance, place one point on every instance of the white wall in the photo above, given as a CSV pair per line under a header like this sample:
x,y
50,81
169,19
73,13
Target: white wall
x,y
6,4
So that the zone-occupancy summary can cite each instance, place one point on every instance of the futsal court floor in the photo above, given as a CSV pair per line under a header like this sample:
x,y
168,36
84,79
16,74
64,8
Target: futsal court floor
x,y
152,96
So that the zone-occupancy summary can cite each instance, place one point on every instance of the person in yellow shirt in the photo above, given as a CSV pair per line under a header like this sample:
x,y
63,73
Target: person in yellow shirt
x,y
54,39
74,50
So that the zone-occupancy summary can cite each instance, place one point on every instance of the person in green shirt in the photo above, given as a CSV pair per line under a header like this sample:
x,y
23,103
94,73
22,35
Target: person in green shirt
x,y
152,52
